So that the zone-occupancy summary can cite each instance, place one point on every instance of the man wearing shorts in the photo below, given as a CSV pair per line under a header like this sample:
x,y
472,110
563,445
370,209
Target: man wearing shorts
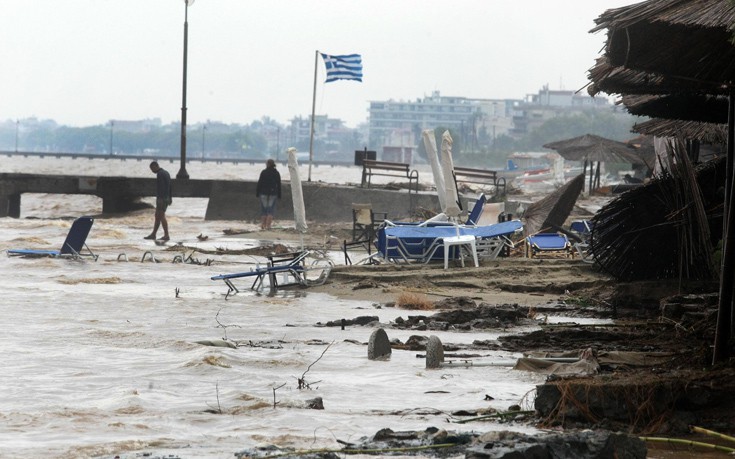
x,y
163,200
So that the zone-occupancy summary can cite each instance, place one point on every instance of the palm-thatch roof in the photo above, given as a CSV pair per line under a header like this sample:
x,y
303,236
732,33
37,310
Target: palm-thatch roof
x,y
692,107
678,39
710,133
605,77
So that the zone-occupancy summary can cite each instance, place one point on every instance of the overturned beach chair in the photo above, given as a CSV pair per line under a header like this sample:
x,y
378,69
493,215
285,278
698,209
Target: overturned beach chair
x,y
442,220
548,242
291,267
74,246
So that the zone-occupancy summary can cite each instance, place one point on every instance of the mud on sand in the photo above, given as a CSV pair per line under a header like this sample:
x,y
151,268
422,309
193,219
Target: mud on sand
x,y
662,398
649,317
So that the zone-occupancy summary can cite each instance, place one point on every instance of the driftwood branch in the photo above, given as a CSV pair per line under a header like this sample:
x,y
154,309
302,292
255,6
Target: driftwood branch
x,y
219,407
223,326
274,395
302,381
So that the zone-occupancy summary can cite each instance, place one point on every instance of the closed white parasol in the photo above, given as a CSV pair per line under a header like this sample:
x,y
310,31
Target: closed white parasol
x,y
451,195
297,195
436,169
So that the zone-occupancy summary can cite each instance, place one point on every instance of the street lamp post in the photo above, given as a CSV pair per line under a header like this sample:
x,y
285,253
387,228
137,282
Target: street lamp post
x,y
112,124
182,174
278,142
17,123
204,131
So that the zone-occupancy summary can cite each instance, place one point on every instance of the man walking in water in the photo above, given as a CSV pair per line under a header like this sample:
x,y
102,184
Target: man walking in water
x,y
163,200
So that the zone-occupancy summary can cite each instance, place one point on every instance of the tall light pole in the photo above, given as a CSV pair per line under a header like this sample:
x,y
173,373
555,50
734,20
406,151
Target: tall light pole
x,y
278,141
182,174
112,123
204,131
17,123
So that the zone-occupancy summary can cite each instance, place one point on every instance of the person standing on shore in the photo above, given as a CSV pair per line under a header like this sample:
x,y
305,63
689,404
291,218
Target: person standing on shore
x,y
163,200
268,191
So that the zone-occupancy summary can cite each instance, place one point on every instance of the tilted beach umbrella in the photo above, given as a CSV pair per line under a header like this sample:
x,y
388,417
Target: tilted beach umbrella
x,y
551,212
436,169
453,206
297,195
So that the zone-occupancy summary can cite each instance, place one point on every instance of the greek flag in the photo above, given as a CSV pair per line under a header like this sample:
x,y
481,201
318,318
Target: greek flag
x,y
345,67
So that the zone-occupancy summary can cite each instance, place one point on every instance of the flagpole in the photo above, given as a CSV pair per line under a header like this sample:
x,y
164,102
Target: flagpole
x,y
313,109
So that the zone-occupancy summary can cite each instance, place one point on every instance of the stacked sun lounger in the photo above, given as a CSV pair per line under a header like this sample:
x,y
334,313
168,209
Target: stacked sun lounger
x,y
425,243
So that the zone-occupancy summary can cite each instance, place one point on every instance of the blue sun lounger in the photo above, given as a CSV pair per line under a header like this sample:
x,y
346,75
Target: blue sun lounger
x,y
548,242
73,247
425,243
583,230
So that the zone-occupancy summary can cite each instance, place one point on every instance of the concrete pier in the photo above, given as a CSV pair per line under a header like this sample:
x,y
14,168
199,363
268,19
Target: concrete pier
x,y
228,199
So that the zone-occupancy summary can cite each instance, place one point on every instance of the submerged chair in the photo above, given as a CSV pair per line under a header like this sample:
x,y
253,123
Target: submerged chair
x,y
548,242
73,247
291,266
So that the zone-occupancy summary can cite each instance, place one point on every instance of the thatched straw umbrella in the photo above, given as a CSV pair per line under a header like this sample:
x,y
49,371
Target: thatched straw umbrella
x,y
654,231
592,148
690,41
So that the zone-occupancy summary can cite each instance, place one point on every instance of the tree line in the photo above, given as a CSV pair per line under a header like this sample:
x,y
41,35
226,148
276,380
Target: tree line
x,y
259,139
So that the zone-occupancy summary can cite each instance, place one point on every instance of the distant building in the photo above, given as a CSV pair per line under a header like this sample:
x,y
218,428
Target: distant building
x,y
538,108
399,123
476,121
137,125
332,139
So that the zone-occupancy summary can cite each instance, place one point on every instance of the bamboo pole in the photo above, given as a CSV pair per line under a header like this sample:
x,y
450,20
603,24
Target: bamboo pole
x,y
712,433
680,441
723,330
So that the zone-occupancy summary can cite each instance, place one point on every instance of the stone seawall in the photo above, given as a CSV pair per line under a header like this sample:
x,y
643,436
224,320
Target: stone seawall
x,y
228,199
231,200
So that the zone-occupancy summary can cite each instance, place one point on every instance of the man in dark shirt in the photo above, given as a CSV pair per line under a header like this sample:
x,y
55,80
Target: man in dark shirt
x,y
163,200
268,191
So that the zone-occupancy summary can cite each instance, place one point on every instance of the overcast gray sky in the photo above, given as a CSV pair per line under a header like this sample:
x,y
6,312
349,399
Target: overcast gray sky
x,y
85,62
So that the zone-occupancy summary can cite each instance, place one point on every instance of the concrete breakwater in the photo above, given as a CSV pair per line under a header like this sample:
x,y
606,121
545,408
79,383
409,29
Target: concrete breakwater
x,y
228,199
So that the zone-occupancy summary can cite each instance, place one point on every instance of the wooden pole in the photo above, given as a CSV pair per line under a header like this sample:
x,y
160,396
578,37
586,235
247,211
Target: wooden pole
x,y
592,172
723,330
